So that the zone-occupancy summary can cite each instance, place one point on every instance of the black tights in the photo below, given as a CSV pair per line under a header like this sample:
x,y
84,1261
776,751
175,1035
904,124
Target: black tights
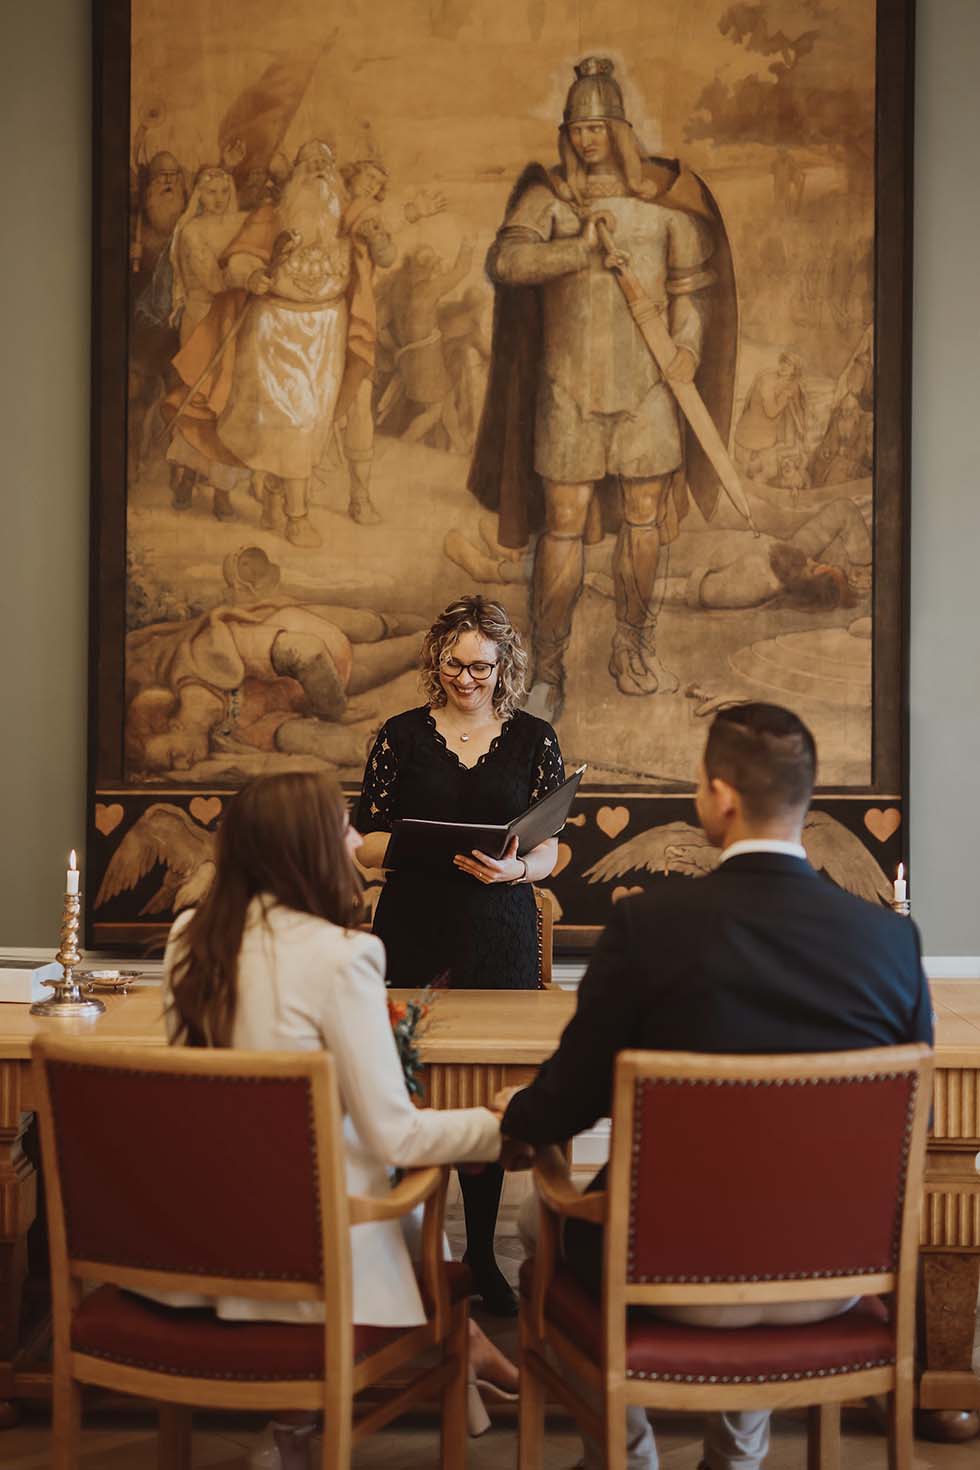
x,y
481,1201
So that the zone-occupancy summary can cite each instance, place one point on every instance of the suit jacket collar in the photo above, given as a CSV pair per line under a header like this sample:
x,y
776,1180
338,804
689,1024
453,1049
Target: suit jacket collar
x,y
772,864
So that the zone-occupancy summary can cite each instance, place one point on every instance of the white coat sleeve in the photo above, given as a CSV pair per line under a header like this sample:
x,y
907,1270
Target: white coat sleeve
x,y
174,946
358,1034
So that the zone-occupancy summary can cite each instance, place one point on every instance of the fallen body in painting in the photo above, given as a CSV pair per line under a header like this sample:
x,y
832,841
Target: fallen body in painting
x,y
747,571
234,691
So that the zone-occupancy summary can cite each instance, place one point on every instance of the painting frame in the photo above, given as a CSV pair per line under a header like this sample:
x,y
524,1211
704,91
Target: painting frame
x,y
877,813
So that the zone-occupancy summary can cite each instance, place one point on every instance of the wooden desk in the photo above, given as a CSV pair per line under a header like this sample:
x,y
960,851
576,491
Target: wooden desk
x,y
476,1043
950,1234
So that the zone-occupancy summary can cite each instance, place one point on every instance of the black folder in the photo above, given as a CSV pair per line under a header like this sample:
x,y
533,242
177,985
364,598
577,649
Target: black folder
x,y
417,842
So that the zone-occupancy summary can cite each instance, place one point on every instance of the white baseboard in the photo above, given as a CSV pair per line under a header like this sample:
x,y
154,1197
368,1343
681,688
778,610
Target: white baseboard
x,y
952,966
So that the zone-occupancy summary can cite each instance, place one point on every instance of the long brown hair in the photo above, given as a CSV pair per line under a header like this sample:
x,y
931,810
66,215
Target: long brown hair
x,y
282,837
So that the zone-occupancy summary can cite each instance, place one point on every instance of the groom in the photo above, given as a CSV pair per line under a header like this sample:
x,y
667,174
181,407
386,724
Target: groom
x,y
762,955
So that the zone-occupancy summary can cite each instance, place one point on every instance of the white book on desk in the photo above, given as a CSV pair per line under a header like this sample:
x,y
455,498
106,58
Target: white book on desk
x,y
23,980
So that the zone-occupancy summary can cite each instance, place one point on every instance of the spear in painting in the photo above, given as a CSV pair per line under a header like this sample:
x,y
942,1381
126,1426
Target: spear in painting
x,y
653,329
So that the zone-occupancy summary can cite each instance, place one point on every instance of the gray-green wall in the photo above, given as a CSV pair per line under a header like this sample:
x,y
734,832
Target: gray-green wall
x,y
44,398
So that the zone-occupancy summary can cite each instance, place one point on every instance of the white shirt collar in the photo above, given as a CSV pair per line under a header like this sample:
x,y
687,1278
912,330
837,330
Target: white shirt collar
x,y
763,844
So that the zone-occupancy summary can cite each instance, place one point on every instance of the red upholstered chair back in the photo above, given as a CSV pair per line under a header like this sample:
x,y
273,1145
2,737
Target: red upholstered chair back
x,y
754,1170
197,1164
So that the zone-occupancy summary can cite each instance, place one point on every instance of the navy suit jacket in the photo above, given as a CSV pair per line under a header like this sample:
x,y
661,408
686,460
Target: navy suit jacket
x,y
762,955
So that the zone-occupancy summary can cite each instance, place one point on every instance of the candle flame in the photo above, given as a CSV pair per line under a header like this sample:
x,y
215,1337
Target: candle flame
x,y
901,870
71,859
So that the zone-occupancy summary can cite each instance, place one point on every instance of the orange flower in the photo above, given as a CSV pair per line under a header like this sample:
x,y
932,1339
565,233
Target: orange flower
x,y
397,1010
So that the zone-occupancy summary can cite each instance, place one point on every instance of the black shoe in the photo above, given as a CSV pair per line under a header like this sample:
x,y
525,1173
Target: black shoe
x,y
490,1285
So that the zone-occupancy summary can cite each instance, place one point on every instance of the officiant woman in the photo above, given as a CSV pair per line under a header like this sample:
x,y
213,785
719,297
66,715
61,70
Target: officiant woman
x,y
468,754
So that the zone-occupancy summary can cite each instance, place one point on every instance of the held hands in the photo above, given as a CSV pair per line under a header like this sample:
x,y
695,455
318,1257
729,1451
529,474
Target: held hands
x,y
508,869
502,1099
515,1155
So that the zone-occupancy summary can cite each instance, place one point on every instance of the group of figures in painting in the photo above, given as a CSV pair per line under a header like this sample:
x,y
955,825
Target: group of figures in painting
x,y
262,343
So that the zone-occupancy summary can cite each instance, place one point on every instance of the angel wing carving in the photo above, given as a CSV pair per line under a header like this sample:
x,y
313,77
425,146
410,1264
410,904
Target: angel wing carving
x,y
674,847
679,847
163,834
844,858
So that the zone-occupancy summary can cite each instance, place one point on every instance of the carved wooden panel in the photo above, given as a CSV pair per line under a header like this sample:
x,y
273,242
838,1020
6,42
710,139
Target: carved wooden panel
x,y
956,1104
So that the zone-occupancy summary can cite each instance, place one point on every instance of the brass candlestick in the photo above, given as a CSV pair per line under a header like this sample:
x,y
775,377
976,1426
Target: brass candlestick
x,y
902,906
68,1000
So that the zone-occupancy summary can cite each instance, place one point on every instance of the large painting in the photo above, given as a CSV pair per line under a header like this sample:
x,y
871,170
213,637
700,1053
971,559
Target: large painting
x,y
600,309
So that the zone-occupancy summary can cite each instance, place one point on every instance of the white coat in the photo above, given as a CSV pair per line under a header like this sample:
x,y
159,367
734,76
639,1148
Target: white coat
x,y
305,984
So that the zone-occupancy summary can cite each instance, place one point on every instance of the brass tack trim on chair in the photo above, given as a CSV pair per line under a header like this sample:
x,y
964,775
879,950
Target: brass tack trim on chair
x,y
148,1263
645,1082
832,1372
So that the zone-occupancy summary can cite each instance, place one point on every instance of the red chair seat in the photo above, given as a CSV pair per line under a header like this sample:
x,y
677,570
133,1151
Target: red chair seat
x,y
193,1342
669,1352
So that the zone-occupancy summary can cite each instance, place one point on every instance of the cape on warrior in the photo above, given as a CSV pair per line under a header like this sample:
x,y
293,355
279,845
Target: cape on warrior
x,y
581,431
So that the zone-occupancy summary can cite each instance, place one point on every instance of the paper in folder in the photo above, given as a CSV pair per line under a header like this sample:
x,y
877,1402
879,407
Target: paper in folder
x,y
415,841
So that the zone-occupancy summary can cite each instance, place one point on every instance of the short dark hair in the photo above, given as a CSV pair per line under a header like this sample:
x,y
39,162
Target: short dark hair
x,y
767,754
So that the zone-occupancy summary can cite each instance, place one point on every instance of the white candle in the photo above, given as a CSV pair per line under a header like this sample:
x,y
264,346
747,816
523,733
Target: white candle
x,y
900,885
72,874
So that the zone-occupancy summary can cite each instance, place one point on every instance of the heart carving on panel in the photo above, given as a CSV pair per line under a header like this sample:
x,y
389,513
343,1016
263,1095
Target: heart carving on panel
x,y
563,859
107,818
612,819
882,824
619,893
205,808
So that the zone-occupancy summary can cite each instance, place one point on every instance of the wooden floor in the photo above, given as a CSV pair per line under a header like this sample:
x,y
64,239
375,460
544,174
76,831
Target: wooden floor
x,y
120,1440
128,1444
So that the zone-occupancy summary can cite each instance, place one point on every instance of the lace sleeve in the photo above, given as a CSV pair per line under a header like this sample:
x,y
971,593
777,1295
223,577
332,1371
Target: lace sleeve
x,y
549,769
377,808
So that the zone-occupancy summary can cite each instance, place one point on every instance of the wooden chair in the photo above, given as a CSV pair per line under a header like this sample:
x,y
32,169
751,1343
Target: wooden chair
x,y
738,1180
222,1173
544,903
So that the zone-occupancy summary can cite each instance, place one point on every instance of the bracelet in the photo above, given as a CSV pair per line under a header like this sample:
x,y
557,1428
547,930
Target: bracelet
x,y
523,877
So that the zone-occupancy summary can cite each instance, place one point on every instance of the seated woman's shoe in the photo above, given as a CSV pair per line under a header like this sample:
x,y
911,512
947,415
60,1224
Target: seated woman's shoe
x,y
490,1285
496,1376
495,1392
477,1418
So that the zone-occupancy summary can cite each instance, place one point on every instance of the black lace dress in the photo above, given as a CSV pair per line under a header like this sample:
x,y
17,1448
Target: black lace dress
x,y
434,923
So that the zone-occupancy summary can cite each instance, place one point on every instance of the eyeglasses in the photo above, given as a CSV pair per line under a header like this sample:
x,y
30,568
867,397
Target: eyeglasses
x,y
479,671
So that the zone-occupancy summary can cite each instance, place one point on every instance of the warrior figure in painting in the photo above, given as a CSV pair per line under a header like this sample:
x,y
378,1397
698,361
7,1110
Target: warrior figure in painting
x,y
581,428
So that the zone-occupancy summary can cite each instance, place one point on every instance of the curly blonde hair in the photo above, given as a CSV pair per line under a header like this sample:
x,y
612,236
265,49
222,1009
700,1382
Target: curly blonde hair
x,y
492,621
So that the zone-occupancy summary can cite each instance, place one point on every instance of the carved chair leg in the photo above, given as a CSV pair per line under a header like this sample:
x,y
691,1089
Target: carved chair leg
x,y
66,1421
452,1444
174,1440
823,1437
901,1416
530,1412
614,1418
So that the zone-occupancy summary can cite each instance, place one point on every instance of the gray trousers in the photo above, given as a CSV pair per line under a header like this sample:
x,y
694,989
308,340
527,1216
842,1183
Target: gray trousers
x,y
733,1441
